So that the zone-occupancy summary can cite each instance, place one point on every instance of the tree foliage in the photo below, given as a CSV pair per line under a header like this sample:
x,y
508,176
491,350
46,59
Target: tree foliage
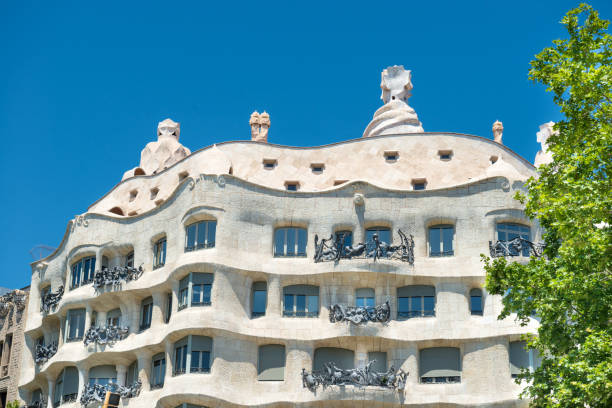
x,y
569,287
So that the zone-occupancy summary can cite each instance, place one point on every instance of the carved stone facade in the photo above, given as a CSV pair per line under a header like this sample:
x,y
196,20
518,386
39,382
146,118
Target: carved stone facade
x,y
12,322
253,293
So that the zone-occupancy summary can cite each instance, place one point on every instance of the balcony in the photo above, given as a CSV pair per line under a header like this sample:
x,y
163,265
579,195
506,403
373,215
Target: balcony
x,y
334,375
357,315
95,393
516,247
105,334
44,353
50,300
116,276
333,249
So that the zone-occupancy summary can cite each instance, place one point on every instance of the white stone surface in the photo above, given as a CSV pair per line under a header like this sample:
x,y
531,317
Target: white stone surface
x,y
543,156
498,131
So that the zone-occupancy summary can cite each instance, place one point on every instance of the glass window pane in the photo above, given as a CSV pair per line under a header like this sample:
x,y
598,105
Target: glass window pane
x,y
300,306
291,240
348,237
163,252
415,305
191,235
447,240
434,241
212,232
195,361
369,302
206,294
428,305
201,236
86,270
289,304
313,305
259,302
279,242
301,241
476,302
196,294
360,302
385,235
402,306
206,361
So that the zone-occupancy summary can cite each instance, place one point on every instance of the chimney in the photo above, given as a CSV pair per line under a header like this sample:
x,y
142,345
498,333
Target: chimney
x,y
260,124
498,131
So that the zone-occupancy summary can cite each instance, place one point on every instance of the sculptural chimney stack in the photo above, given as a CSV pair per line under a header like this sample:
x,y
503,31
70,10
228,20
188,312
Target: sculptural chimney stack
x,y
498,131
260,124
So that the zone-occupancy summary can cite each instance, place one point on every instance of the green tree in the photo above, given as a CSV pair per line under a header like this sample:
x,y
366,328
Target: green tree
x,y
569,287
12,404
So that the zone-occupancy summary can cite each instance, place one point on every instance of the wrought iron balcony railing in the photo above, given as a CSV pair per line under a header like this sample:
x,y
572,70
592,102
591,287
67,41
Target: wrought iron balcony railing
x,y
299,313
50,300
14,301
334,375
45,352
157,386
334,249
202,245
115,276
357,315
105,334
178,371
441,380
95,393
515,247
199,370
37,404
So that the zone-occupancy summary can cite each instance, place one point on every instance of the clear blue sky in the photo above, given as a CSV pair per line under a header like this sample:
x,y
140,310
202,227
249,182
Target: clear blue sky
x,y
83,85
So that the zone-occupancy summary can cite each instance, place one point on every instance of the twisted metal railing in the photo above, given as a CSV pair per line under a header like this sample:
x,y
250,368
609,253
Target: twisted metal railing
x,y
50,300
105,334
116,275
334,375
96,393
334,249
45,352
515,247
37,404
357,314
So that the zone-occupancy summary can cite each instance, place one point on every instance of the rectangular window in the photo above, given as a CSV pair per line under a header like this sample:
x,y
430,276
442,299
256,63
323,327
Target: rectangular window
x,y
383,234
146,313
168,307
259,299
441,240
160,253
180,360
271,363
76,324
159,371
201,235
416,301
82,272
201,295
129,260
200,362
348,237
301,301
290,242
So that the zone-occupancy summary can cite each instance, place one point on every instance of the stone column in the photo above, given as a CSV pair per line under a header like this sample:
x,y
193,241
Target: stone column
x,y
121,373
83,377
51,385
62,332
144,369
157,316
132,315
169,346
299,355
273,305
175,293
88,311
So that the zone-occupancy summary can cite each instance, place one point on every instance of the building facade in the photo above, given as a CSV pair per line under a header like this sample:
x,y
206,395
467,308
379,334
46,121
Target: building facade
x,y
252,274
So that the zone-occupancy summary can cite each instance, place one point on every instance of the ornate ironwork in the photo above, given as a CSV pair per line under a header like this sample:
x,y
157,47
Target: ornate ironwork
x,y
50,300
357,315
515,247
37,404
12,301
114,276
44,353
334,249
96,393
105,334
334,375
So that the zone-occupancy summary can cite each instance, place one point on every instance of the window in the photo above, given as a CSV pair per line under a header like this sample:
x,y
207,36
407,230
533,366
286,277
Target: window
x,y
416,301
271,363
195,290
129,260
168,307
419,184
201,235
364,297
521,357
441,240
445,155
159,251
292,185
269,164
508,232
383,233
36,398
476,302
113,318
103,375
66,386
343,358
146,311
200,354
317,168
347,235
82,272
290,241
259,299
159,371
75,320
380,366
132,373
301,301
192,354
440,365
391,156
